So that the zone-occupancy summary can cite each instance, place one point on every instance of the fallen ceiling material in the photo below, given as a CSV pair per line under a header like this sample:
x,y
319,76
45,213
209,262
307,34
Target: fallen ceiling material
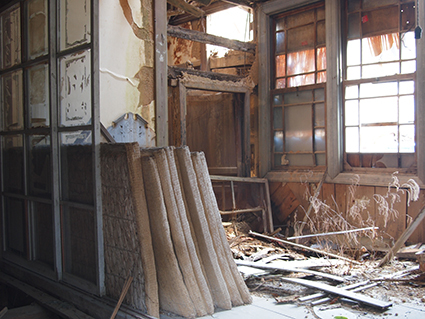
x,y
193,264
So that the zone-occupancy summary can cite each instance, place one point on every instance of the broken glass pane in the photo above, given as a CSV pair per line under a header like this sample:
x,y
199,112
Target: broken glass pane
x,y
407,109
11,37
379,110
75,89
280,83
380,48
406,87
298,128
378,89
277,100
38,82
352,140
351,112
408,46
74,23
407,138
37,28
353,52
12,101
351,92
379,139
378,70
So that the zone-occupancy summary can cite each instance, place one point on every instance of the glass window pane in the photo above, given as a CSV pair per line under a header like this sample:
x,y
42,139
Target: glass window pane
x,y
319,95
408,67
12,101
38,83
353,73
378,89
280,159
351,112
74,23
298,129
37,28
79,243
303,96
301,80
43,233
280,42
277,99
321,77
321,58
300,159
280,65
40,183
351,92
380,110
321,33
11,37
381,48
13,164
277,118
408,46
407,138
352,140
319,139
378,70
278,141
280,24
353,25
353,52
407,109
75,108
16,236
301,18
319,114
321,159
407,87
379,139
301,38
77,171
301,62
280,83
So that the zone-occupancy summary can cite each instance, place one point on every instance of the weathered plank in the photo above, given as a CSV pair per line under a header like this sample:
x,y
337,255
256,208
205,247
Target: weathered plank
x,y
232,60
288,269
174,72
206,38
342,292
181,4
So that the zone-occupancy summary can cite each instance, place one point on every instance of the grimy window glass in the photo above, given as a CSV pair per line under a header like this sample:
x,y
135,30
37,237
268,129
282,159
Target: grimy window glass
x,y
298,97
379,84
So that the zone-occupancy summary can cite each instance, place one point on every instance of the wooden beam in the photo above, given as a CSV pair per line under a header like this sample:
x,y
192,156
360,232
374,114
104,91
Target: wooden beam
x,y
342,292
174,72
405,236
287,269
212,8
304,247
206,38
161,77
186,7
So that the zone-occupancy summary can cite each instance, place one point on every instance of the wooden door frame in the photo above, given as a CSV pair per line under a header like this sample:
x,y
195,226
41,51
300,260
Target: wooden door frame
x,y
244,168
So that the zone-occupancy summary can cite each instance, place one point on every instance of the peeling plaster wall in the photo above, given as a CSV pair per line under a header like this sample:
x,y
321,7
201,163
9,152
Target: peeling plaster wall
x,y
127,60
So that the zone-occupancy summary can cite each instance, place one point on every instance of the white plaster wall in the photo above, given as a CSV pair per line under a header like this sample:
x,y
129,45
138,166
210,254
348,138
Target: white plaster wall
x,y
122,55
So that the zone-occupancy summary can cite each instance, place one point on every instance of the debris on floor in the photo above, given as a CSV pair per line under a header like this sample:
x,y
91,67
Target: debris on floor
x,y
293,274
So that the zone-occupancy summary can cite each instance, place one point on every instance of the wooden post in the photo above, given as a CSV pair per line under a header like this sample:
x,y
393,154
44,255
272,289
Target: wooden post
x,y
405,236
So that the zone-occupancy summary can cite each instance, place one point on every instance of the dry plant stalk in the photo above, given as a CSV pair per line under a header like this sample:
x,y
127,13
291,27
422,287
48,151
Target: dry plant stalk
x,y
323,218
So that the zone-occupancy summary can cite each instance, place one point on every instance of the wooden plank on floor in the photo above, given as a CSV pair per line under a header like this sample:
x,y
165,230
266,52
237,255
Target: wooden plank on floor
x,y
341,292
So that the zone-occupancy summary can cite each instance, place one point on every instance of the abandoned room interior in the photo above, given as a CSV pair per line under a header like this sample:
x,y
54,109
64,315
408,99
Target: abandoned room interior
x,y
212,158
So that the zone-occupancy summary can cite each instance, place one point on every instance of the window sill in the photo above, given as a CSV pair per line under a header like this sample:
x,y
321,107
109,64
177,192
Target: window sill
x,y
366,179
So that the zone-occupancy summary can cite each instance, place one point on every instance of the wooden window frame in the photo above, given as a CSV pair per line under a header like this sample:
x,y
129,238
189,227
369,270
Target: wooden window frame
x,y
334,142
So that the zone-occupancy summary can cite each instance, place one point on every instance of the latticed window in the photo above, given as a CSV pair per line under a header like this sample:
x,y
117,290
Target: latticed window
x,y
379,86
298,97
